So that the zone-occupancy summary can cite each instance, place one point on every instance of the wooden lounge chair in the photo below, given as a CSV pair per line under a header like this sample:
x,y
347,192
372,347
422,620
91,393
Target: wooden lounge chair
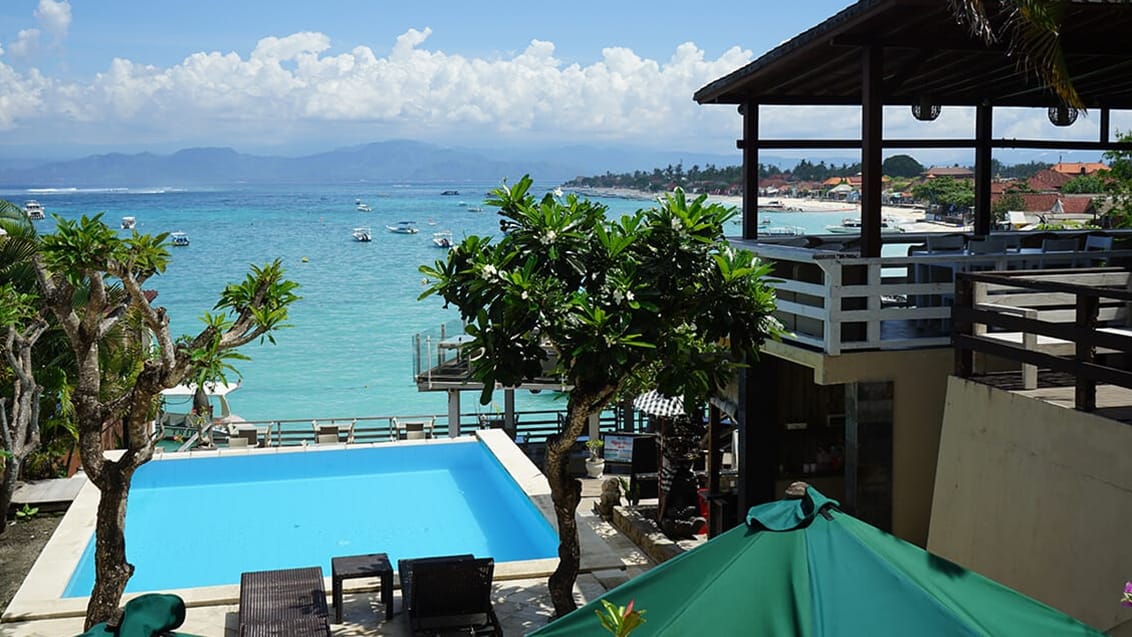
x,y
288,602
453,592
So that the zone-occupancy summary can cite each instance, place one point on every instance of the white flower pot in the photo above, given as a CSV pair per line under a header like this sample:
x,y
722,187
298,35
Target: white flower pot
x,y
594,468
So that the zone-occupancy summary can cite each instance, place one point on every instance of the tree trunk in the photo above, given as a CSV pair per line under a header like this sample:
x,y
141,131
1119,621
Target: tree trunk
x,y
7,489
566,492
110,546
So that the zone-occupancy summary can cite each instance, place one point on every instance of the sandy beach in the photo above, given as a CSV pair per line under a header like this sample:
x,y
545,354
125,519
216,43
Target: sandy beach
x,y
911,219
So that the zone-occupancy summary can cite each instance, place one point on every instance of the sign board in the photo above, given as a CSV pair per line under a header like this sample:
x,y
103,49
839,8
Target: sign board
x,y
618,448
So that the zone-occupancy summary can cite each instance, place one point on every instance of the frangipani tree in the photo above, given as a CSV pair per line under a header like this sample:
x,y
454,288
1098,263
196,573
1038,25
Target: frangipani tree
x,y
91,282
658,292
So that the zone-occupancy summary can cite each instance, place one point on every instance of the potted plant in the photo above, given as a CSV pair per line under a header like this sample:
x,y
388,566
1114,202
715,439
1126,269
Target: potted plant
x,y
595,464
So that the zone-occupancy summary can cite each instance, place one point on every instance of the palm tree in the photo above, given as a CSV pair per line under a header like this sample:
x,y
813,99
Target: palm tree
x,y
1032,31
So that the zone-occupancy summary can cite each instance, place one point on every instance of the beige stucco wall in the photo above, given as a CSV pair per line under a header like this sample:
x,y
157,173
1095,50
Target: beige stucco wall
x,y
1038,497
919,390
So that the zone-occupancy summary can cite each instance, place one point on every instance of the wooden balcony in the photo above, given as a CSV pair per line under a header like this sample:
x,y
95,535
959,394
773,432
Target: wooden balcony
x,y
1063,336
835,301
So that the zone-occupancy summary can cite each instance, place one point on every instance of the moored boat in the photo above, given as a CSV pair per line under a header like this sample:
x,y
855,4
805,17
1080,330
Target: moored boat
x,y
852,225
362,207
128,223
362,233
34,210
179,238
403,227
442,239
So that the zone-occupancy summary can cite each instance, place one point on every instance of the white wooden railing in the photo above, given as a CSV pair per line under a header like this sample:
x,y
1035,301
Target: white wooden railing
x,y
836,302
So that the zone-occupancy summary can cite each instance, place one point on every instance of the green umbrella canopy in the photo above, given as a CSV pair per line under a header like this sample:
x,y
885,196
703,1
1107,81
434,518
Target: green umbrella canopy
x,y
802,567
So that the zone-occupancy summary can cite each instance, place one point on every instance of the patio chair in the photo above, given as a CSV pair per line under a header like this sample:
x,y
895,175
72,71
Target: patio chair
x,y
1058,253
1095,243
451,592
145,616
284,602
412,429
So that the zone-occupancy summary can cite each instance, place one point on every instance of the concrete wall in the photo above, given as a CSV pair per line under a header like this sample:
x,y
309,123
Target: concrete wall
x,y
1038,497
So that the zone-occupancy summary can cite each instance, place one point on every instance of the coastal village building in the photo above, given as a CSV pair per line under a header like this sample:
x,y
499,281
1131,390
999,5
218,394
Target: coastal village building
x,y
1077,169
896,390
955,172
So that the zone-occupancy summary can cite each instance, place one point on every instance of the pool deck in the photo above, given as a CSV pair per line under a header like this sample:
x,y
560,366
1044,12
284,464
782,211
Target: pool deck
x,y
520,595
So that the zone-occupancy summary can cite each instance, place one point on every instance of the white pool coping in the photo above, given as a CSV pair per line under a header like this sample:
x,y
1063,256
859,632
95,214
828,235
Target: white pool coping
x,y
41,594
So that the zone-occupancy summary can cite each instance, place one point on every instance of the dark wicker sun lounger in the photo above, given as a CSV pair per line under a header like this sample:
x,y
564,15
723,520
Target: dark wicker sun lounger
x,y
289,602
449,592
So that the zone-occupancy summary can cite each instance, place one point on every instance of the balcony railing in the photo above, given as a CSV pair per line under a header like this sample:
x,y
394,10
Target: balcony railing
x,y
835,301
1074,322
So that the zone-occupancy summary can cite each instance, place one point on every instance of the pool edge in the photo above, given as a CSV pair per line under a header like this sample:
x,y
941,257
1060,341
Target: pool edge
x,y
40,594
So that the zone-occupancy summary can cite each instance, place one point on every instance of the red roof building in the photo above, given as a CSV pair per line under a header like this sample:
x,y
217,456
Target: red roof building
x,y
1078,168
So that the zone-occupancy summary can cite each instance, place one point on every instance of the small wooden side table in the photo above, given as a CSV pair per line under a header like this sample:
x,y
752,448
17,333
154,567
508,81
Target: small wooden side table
x,y
354,566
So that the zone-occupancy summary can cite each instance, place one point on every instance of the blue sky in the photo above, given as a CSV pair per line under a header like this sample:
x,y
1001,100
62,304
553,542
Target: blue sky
x,y
288,77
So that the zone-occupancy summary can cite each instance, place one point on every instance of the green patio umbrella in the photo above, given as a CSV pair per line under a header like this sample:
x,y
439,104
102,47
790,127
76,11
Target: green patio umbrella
x,y
802,567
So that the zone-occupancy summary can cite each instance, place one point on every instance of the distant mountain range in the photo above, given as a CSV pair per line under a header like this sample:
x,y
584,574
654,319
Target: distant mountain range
x,y
389,161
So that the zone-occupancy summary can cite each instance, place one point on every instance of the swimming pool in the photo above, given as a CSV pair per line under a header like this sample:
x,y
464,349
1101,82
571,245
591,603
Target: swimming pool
x,y
203,521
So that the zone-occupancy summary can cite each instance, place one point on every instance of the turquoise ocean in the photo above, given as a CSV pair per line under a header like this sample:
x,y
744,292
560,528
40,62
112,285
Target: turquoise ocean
x,y
349,352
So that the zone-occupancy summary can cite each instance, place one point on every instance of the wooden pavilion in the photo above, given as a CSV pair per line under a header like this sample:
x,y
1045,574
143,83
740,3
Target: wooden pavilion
x,y
879,53
876,54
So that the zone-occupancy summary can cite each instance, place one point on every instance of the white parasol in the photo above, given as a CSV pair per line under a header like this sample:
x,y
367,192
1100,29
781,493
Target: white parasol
x,y
655,403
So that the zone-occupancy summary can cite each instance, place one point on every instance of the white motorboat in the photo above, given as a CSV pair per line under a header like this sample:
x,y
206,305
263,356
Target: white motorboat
x,y
442,239
403,227
34,210
362,233
128,223
362,207
179,238
852,225
781,231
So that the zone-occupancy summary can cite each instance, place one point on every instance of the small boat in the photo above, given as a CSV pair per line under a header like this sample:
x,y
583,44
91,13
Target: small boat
x,y
361,207
450,193
34,210
773,204
475,209
128,223
852,225
442,239
179,238
404,227
362,233
782,231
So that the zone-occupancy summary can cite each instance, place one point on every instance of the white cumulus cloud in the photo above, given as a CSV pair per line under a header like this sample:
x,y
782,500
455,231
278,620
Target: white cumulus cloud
x,y
413,91
27,43
54,16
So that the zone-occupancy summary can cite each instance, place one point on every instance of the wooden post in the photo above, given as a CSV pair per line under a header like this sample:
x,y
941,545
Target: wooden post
x,y
1086,320
509,409
983,120
872,123
964,300
750,146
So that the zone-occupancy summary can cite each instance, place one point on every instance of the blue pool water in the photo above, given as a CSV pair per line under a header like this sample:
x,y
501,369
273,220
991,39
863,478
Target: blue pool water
x,y
203,521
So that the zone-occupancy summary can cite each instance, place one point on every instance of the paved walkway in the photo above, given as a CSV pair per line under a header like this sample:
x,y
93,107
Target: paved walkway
x,y
522,605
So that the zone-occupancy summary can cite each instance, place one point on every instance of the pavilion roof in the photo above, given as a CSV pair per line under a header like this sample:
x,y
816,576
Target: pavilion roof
x,y
928,53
